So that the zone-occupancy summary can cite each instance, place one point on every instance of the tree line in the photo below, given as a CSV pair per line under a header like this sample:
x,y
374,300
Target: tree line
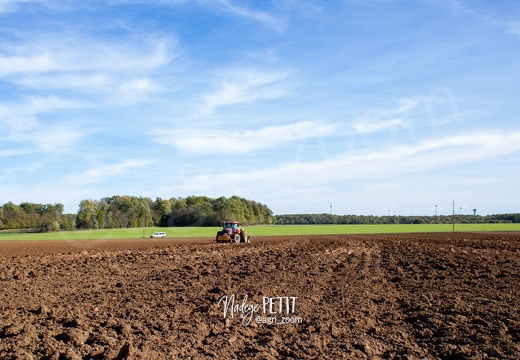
x,y
131,211
317,219
37,217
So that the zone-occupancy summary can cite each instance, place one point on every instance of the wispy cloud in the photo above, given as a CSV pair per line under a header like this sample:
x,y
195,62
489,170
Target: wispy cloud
x,y
43,104
192,141
15,152
16,64
99,174
378,120
77,81
407,104
41,53
243,86
49,139
370,126
232,7
265,18
509,27
136,90
22,116
9,5
100,72
21,127
404,159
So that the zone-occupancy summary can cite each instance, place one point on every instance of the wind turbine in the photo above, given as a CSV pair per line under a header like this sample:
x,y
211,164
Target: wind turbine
x,y
390,210
461,207
436,206
331,208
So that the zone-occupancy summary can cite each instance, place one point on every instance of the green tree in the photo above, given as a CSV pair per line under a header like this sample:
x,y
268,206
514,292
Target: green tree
x,y
14,217
86,218
161,211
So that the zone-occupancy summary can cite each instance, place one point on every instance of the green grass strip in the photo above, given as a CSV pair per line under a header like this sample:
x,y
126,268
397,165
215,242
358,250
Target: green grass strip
x,y
273,230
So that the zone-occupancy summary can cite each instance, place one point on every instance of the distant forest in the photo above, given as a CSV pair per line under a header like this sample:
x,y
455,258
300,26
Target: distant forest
x,y
303,219
130,212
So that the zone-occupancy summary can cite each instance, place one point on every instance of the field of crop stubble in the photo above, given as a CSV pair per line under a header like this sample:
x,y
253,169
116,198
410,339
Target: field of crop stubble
x,y
386,296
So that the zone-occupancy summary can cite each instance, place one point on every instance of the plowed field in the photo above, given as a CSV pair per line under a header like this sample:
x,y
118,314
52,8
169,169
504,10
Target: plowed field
x,y
409,296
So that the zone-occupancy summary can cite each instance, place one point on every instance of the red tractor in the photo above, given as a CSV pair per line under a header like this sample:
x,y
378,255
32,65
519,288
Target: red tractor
x,y
232,233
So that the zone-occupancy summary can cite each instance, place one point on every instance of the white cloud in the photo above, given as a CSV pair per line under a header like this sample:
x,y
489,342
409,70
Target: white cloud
x,y
32,106
510,27
15,152
73,53
21,127
9,5
193,141
10,65
377,120
246,86
366,126
42,104
123,88
12,5
398,161
22,116
108,72
135,90
224,6
262,17
73,81
138,85
103,172
407,104
48,138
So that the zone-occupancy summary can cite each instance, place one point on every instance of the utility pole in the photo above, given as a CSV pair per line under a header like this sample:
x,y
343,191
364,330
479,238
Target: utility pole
x,y
453,217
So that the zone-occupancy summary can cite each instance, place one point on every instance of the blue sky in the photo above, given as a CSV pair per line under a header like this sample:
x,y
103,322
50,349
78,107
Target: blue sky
x,y
369,105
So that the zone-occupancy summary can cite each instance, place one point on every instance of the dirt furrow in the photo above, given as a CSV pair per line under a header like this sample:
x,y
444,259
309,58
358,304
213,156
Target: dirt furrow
x,y
409,296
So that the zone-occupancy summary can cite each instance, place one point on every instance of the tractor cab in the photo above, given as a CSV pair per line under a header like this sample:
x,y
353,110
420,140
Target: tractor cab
x,y
232,225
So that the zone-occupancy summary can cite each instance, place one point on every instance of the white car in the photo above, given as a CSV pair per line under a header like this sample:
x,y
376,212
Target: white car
x,y
158,235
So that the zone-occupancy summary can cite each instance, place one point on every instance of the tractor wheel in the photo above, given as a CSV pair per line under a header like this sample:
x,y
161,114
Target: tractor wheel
x,y
218,234
237,238
243,237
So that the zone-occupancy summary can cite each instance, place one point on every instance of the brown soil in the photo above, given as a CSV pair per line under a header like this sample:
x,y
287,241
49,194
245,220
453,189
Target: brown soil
x,y
410,296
